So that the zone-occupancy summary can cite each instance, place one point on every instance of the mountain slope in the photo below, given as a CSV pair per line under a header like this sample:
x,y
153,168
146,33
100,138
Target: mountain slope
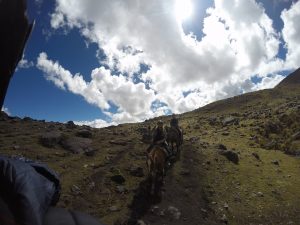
x,y
291,80
103,171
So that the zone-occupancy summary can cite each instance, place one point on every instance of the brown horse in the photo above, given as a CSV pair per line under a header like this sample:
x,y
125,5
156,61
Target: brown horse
x,y
156,162
174,138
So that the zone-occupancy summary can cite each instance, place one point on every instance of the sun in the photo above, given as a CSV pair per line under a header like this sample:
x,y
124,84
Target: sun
x,y
183,9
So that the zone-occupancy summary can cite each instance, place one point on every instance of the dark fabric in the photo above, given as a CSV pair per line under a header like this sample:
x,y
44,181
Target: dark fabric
x,y
58,216
27,192
15,30
159,135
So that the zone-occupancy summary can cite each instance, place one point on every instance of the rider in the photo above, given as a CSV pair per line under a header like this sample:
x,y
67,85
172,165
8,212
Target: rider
x,y
159,138
174,124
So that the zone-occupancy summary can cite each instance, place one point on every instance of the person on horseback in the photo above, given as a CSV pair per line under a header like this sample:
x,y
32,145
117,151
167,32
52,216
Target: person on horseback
x,y
174,124
159,138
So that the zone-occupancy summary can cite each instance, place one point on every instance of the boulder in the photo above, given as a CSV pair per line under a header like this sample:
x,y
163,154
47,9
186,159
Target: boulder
x,y
230,120
77,144
119,179
230,155
51,139
70,125
222,147
84,134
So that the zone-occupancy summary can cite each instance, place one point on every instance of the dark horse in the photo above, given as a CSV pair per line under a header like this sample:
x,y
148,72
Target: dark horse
x,y
174,138
156,162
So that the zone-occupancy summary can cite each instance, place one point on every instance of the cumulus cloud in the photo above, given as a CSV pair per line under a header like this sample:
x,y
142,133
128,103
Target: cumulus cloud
x,y
133,100
98,123
291,34
24,64
185,72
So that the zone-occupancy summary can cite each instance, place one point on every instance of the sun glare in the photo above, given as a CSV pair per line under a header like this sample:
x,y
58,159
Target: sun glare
x,y
183,9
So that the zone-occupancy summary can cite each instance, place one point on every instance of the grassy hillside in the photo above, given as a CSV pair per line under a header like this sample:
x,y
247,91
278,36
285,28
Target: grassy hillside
x,y
103,170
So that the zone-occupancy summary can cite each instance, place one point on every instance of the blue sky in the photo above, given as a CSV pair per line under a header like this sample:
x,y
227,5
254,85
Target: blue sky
x,y
108,62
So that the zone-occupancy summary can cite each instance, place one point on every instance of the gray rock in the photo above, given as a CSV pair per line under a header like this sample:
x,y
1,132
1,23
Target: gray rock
x,y
222,147
230,155
140,222
256,156
296,136
51,139
70,125
230,120
137,172
119,179
121,189
77,144
174,212
84,134
114,208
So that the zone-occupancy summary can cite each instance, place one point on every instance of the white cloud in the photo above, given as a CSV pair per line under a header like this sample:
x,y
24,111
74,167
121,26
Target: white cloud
x,y
98,123
268,82
24,64
238,42
291,34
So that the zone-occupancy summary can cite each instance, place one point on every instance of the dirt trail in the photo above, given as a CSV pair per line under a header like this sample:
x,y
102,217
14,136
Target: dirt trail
x,y
183,199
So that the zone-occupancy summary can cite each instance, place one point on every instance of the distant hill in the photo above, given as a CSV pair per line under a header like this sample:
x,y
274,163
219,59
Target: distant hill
x,y
292,79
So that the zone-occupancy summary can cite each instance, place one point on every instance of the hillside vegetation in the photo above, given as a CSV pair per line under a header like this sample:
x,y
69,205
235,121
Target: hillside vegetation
x,y
239,163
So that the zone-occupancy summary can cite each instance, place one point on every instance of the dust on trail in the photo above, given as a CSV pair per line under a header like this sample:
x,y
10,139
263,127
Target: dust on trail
x,y
182,191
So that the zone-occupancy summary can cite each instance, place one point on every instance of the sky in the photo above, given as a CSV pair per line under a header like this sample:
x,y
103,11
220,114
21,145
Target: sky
x,y
106,62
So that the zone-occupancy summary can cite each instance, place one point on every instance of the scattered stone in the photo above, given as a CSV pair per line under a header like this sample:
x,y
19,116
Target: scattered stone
x,y
185,172
212,121
92,185
75,190
194,139
122,143
296,136
224,219
84,134
225,133
230,155
140,222
16,147
121,189
260,194
119,179
222,147
174,212
226,206
256,156
275,162
137,172
230,120
114,208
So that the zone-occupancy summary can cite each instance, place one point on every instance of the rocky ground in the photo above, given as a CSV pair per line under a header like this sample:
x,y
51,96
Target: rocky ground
x,y
238,164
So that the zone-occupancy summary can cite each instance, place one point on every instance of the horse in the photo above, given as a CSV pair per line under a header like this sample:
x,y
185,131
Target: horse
x,y
156,162
173,137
